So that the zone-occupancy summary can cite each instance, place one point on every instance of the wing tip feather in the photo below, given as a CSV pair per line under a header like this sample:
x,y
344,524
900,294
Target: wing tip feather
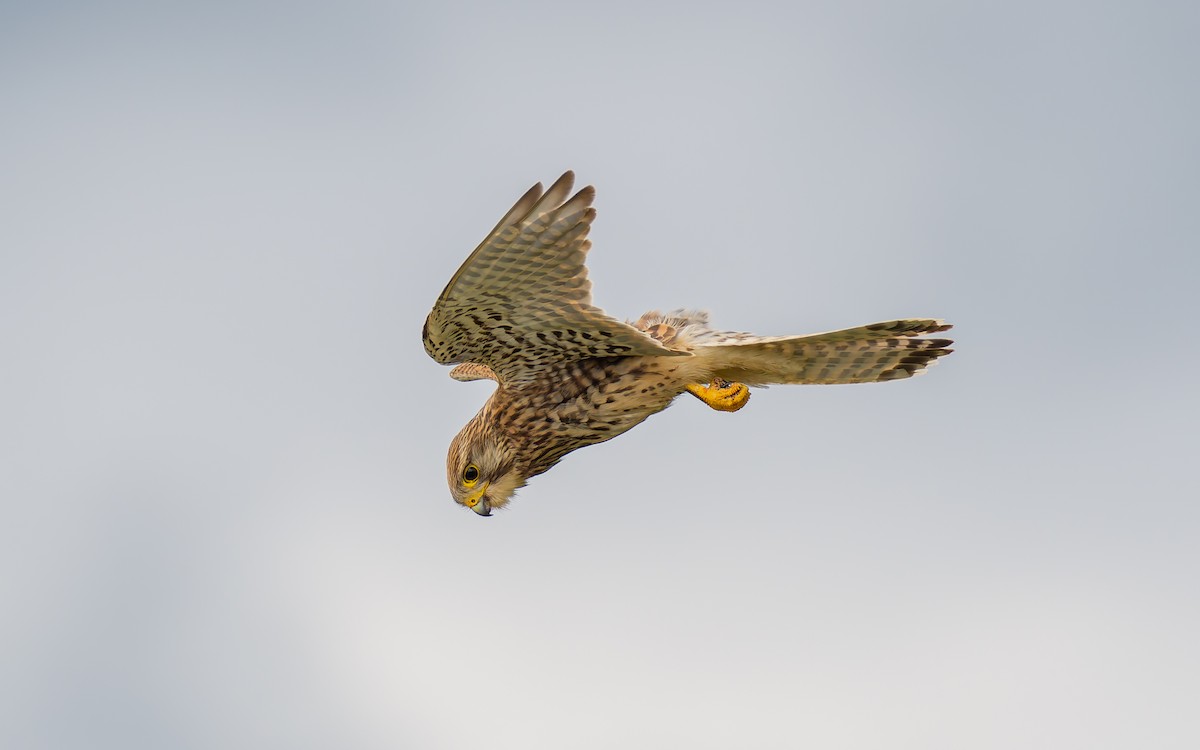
x,y
558,191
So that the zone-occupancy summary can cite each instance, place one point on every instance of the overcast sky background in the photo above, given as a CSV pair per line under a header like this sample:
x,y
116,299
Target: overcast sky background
x,y
224,514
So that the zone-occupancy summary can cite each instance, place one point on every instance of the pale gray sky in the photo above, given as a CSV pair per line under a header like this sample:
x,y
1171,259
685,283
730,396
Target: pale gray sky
x,y
225,523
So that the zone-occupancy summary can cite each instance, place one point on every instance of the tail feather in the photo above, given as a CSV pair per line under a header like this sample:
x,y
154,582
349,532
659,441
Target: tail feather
x,y
873,353
866,354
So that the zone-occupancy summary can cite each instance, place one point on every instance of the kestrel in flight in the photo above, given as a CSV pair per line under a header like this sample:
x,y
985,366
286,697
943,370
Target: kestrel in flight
x,y
519,311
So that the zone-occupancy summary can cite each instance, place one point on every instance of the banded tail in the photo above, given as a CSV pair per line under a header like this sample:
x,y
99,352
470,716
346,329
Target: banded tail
x,y
867,354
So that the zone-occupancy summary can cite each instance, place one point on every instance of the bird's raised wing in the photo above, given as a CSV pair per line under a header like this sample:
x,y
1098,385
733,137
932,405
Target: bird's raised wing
x,y
523,297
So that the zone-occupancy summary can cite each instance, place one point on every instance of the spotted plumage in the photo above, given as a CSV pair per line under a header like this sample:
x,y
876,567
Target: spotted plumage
x,y
519,311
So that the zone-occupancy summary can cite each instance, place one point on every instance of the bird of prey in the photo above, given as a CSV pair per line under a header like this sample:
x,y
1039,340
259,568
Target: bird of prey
x,y
519,312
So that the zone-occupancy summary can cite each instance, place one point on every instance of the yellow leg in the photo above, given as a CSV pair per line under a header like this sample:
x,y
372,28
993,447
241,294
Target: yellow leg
x,y
721,394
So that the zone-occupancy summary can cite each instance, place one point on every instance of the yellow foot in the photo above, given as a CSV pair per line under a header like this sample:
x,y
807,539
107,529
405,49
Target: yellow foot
x,y
721,394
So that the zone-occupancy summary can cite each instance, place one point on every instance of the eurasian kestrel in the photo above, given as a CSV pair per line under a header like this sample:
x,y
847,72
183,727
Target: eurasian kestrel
x,y
519,311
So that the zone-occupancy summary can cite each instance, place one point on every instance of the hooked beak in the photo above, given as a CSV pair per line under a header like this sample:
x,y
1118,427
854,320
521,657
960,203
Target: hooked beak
x,y
478,502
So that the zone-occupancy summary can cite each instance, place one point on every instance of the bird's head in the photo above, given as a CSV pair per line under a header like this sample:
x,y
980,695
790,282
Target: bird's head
x,y
481,471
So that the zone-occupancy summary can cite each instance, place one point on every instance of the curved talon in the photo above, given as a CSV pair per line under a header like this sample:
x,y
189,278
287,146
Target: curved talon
x,y
721,394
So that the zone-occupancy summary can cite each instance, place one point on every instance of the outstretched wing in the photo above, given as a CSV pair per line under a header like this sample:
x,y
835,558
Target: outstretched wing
x,y
523,298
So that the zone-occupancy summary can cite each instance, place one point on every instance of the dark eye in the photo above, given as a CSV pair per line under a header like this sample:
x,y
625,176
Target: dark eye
x,y
472,473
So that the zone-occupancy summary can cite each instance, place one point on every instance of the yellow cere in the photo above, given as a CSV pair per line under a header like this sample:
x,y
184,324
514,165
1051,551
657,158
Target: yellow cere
x,y
473,499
